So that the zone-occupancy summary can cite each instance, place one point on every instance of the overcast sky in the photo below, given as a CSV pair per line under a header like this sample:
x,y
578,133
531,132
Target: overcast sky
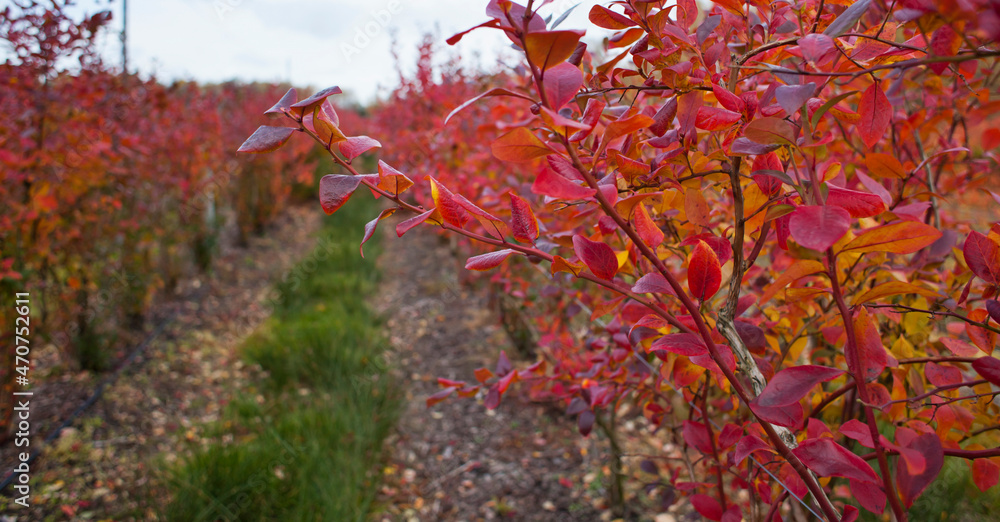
x,y
307,42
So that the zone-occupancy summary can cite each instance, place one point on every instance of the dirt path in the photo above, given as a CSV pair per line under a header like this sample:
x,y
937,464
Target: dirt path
x,y
456,461
106,466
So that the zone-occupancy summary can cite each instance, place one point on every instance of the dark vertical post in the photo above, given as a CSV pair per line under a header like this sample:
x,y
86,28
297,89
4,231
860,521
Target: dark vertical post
x,y
124,36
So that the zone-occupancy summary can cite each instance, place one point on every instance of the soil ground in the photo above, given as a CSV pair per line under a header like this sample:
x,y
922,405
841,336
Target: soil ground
x,y
455,461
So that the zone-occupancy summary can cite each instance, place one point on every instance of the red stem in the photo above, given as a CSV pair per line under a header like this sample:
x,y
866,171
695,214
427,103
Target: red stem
x,y
854,366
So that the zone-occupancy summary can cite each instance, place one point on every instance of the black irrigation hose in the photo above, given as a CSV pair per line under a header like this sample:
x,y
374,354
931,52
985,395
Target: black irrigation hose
x,y
97,393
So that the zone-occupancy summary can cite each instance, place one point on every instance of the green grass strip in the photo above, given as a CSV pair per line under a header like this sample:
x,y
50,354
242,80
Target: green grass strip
x,y
312,449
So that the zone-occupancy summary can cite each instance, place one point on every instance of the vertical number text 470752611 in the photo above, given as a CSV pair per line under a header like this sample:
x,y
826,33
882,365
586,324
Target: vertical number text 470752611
x,y
22,348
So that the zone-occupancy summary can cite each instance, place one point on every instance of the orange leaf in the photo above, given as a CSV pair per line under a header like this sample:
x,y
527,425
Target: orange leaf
x,y
985,339
392,180
546,49
905,237
884,166
519,145
560,264
648,231
798,270
608,19
696,208
892,288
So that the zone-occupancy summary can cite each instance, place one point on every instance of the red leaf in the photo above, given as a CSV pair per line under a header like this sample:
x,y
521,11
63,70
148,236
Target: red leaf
x,y
405,226
791,384
876,113
788,416
829,459
817,48
523,223
519,145
493,225
941,375
564,167
548,183
284,103
982,254
585,422
663,120
686,344
870,348
988,368
309,103
770,185
748,445
503,364
707,507
357,145
455,38
944,42
371,226
727,99
447,205
730,434
870,496
562,82
608,19
591,115
492,397
266,139
793,97
818,227
335,190
487,261
598,256
440,396
993,309
912,485
985,474
714,118
704,272
858,204
652,283
859,431
697,436
752,336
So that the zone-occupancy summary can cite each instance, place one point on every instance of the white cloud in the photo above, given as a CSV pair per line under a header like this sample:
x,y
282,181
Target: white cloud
x,y
306,42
